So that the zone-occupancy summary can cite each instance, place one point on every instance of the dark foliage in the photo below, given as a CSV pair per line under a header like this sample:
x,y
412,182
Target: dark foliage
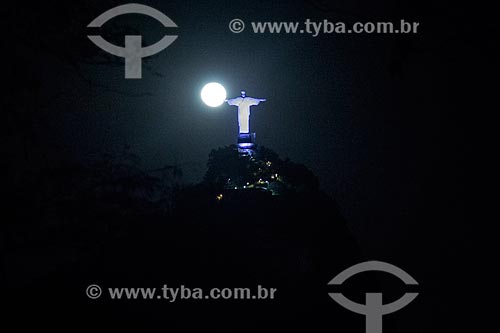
x,y
117,225
264,169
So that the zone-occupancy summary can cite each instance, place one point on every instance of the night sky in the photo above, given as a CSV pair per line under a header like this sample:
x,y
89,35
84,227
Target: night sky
x,y
373,116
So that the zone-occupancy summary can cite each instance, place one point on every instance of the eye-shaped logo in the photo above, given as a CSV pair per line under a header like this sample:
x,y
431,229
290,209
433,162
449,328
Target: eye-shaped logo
x,y
133,52
373,309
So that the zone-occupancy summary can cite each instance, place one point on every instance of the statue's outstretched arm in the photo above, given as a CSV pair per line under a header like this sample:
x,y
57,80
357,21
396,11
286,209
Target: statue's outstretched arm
x,y
256,101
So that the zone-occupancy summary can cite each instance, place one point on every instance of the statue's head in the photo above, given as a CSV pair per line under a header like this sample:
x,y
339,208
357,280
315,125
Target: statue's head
x,y
243,93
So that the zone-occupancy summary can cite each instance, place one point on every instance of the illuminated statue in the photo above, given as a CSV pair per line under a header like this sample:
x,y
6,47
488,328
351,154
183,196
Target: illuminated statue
x,y
244,103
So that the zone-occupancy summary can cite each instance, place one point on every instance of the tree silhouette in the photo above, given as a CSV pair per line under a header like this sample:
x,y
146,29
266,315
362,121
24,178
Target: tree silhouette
x,y
229,169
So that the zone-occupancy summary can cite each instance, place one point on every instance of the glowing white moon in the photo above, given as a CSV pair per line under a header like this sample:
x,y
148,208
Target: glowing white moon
x,y
213,94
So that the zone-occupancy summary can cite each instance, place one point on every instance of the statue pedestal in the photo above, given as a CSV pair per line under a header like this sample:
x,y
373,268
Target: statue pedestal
x,y
246,143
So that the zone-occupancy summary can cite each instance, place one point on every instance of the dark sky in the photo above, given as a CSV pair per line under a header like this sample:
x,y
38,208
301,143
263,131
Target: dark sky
x,y
371,115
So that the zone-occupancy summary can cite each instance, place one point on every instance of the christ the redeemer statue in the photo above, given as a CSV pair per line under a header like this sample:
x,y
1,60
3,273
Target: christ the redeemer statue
x,y
244,103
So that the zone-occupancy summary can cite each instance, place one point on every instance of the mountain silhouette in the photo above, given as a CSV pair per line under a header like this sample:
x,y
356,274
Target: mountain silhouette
x,y
254,220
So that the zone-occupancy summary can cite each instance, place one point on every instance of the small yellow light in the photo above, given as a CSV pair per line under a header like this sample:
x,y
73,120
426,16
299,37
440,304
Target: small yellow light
x,y
219,197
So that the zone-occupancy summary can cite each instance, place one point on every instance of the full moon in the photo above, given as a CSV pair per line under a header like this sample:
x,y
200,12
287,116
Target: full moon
x,y
213,94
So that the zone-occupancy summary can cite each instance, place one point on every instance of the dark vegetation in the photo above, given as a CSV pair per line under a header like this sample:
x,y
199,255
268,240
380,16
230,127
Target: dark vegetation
x,y
117,225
